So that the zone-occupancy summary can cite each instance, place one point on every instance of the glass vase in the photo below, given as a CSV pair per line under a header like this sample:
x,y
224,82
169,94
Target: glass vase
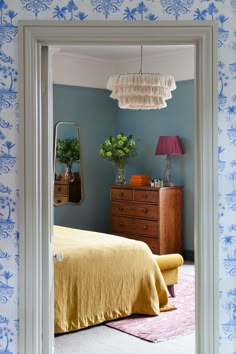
x,y
120,174
68,173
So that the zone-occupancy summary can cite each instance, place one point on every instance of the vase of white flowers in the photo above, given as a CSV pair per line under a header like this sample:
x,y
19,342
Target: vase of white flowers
x,y
118,150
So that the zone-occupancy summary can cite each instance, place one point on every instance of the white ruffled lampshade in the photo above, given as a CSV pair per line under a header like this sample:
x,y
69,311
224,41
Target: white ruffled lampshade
x,y
141,90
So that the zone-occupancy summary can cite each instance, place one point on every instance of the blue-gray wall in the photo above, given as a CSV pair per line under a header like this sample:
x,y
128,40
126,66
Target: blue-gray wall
x,y
95,113
98,116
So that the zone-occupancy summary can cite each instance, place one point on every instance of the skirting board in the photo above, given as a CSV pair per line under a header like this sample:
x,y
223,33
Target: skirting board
x,y
188,255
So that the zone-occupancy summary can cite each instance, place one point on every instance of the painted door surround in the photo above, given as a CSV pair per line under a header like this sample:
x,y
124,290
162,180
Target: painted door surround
x,y
37,210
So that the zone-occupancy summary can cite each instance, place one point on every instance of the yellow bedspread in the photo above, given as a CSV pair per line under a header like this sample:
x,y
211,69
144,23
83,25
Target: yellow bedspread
x,y
103,277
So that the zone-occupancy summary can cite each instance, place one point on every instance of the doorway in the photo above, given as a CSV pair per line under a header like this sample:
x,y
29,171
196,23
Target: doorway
x,y
37,208
74,98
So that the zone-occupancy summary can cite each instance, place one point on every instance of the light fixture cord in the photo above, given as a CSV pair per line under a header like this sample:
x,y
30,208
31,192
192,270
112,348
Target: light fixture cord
x,y
141,62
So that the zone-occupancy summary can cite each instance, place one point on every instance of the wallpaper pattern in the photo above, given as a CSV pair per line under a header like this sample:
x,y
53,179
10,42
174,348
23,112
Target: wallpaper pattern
x,y
224,11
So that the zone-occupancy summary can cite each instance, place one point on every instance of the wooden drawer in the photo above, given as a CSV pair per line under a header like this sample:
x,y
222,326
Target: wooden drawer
x,y
153,243
134,209
59,199
146,196
135,226
62,189
121,194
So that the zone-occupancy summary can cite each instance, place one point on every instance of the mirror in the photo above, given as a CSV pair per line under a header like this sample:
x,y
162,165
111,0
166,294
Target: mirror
x,y
67,164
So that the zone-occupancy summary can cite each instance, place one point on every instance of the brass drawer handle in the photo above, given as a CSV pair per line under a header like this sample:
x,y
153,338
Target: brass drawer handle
x,y
120,208
145,196
145,227
59,189
121,194
145,210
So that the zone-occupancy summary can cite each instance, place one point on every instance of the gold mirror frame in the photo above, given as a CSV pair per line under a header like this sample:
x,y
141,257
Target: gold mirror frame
x,y
68,176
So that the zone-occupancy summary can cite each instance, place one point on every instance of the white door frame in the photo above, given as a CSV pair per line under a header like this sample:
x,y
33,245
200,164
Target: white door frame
x,y
36,177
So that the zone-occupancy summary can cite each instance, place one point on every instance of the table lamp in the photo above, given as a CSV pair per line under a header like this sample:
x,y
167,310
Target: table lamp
x,y
169,145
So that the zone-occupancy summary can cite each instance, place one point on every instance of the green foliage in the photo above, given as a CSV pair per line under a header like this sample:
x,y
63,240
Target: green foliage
x,y
118,149
68,150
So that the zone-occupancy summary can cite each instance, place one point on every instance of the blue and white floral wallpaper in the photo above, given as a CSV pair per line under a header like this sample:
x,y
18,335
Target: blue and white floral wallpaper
x,y
11,11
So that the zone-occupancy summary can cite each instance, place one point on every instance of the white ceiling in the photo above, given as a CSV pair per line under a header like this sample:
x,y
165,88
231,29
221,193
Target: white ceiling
x,y
91,66
122,53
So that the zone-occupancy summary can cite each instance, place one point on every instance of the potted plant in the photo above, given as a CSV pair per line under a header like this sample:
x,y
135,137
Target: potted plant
x,y
68,152
118,150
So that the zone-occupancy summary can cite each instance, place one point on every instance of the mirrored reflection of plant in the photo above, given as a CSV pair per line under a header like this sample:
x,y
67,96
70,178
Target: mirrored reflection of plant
x,y
68,151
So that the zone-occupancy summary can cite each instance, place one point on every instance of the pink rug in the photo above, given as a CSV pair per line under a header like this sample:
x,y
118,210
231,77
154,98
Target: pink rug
x,y
169,324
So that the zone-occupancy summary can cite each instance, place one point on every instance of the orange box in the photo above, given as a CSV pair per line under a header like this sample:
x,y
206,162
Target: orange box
x,y
139,180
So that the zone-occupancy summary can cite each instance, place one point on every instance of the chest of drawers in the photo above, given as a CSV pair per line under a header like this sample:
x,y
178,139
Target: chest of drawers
x,y
65,192
61,192
152,215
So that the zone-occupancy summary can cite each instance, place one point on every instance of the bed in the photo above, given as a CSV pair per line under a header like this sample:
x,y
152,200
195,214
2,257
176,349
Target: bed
x,y
103,277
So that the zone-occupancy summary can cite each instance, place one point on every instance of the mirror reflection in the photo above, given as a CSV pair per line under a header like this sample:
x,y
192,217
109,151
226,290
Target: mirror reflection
x,y
67,164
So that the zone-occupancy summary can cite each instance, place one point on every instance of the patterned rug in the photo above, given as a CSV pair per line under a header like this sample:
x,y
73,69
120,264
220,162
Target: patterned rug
x,y
169,324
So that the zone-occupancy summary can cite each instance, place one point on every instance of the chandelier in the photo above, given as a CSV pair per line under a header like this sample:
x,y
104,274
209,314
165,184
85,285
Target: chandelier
x,y
141,90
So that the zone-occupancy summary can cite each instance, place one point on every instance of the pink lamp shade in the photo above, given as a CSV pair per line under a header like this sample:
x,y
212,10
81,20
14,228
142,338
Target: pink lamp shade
x,y
169,145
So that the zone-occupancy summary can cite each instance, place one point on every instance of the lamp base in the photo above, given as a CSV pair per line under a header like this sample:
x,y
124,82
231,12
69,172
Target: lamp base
x,y
167,175
167,183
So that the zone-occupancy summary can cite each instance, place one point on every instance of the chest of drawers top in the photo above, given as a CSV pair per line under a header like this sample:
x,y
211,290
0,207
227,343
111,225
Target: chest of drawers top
x,y
135,194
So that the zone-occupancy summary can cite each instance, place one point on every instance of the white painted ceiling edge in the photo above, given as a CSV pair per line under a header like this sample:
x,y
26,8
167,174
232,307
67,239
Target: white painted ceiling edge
x,y
91,66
